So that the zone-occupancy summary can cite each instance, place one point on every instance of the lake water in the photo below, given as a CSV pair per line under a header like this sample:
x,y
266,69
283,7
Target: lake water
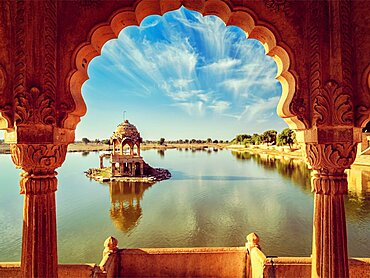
x,y
214,198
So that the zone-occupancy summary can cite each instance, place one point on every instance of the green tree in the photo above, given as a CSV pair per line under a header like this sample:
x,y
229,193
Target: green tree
x,y
85,140
247,141
269,137
239,139
256,139
161,141
209,140
286,137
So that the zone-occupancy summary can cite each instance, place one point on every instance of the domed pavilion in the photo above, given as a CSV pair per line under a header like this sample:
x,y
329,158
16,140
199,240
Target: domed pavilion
x,y
125,157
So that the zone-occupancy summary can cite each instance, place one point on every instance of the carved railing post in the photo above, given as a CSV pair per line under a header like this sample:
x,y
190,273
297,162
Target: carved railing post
x,y
110,261
329,184
255,259
38,184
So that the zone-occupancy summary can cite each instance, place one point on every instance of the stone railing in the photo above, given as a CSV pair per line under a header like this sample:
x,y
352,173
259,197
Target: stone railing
x,y
243,262
173,262
248,261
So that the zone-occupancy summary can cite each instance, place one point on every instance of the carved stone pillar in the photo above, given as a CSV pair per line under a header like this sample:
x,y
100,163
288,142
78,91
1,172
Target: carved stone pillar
x,y
38,184
329,184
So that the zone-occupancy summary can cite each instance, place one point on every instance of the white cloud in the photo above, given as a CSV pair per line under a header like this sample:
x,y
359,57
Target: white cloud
x,y
220,106
223,64
181,83
192,108
260,109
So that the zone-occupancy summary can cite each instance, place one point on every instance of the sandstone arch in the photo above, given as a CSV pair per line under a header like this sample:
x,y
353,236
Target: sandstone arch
x,y
242,18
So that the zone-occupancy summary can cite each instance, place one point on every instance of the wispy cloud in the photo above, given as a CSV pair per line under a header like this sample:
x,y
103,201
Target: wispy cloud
x,y
260,109
223,64
220,106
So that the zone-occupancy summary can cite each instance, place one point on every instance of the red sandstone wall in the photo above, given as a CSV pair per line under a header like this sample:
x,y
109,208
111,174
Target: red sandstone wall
x,y
13,270
189,262
215,262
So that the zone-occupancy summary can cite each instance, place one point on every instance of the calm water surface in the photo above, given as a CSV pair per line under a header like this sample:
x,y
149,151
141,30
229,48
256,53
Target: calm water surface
x,y
213,199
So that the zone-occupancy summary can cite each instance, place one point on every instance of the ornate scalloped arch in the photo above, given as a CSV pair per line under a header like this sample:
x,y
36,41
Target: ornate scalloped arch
x,y
242,18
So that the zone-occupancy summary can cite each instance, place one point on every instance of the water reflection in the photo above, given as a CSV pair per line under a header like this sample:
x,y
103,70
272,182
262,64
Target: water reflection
x,y
357,203
294,169
359,181
125,198
161,153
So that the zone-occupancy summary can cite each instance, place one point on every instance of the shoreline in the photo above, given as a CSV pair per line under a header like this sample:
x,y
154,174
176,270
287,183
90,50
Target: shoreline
x,y
295,153
151,175
96,147
361,160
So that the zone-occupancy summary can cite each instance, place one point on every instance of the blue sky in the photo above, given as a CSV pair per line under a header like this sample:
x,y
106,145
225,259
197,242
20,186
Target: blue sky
x,y
181,76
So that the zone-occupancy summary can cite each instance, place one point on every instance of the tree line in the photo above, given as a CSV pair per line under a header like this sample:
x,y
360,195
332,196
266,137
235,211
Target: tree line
x,y
187,141
286,137
161,141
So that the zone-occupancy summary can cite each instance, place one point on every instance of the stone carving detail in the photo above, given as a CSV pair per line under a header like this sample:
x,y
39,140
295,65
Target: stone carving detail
x,y
284,6
363,111
314,45
88,3
34,107
38,160
331,158
332,106
362,114
329,184
275,5
2,79
20,53
298,107
50,36
346,44
332,100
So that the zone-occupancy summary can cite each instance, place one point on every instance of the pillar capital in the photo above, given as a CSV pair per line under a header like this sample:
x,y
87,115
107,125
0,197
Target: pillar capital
x,y
330,158
38,160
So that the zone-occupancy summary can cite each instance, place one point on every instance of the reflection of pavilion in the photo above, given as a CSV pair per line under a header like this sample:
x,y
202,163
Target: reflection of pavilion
x,y
125,203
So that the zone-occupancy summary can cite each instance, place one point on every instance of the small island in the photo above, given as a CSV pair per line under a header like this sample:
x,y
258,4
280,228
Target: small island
x,y
126,162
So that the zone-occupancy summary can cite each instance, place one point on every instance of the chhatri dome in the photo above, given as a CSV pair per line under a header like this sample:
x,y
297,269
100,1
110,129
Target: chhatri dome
x,y
125,131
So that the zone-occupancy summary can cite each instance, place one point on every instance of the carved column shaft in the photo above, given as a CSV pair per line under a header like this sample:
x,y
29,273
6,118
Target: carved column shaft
x,y
329,251
39,244
329,183
38,184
